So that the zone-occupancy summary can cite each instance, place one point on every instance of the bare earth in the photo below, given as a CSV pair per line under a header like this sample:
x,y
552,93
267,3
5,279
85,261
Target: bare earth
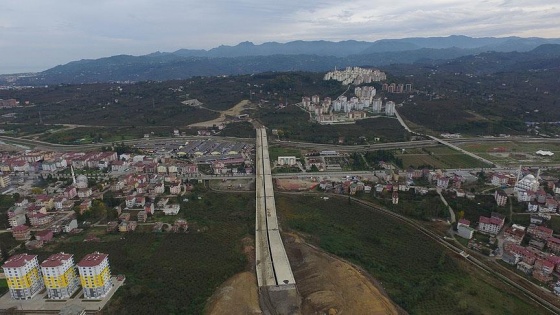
x,y
327,285
238,295
234,111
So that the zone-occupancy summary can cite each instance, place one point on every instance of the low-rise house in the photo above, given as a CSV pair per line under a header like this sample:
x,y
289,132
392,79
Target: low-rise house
x,y
125,216
443,182
69,225
59,202
149,208
501,197
175,189
142,216
464,230
44,235
70,192
532,206
545,266
514,235
541,276
537,219
16,220
511,258
45,201
159,188
140,201
171,209
491,225
127,226
162,202
85,205
112,226
39,219
550,205
525,267
539,232
119,166
553,244
21,233
130,201
500,179
526,196
84,192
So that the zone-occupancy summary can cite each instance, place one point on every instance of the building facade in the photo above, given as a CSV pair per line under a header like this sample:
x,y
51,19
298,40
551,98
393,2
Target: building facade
x,y
23,276
95,275
59,276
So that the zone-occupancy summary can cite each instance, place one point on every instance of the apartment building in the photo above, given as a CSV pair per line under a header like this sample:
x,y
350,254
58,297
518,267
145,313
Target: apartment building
x,y
95,275
23,276
59,276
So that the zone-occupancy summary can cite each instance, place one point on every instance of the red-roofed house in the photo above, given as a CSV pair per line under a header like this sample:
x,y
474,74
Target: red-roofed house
x,y
501,197
553,244
44,235
514,235
540,232
491,225
21,233
40,219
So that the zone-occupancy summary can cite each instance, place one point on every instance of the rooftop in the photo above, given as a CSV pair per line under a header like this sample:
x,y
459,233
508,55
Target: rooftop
x,y
56,260
92,260
18,260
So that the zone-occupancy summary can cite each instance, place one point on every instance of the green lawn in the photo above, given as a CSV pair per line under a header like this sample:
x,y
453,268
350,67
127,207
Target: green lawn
x,y
419,275
174,273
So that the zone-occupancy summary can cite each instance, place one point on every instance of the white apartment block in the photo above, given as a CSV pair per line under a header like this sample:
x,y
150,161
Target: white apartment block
x,y
23,276
95,275
390,108
59,276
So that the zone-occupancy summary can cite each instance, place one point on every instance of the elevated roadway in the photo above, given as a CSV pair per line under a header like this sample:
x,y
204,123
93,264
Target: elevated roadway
x,y
277,285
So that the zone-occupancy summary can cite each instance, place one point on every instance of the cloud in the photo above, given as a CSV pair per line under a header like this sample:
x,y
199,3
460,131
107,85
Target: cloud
x,y
35,35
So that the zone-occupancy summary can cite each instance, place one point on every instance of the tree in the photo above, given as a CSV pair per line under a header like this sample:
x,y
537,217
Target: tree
x,y
36,190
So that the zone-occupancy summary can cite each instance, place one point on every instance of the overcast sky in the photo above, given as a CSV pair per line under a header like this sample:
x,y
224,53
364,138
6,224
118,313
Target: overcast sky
x,y
38,34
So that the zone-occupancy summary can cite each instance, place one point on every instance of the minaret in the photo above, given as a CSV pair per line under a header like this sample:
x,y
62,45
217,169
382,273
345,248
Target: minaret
x,y
538,173
518,174
73,175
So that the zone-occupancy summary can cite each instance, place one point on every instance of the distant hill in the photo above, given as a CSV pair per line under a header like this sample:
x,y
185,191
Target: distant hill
x,y
248,58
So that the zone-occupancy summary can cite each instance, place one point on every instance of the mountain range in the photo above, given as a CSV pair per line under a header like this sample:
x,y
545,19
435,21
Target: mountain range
x,y
248,58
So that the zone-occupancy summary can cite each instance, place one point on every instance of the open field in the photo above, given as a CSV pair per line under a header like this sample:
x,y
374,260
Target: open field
x,y
417,274
188,267
329,285
514,152
438,157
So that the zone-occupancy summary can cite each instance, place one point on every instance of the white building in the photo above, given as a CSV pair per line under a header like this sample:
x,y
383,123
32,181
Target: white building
x,y
390,108
171,209
59,276
95,275
23,276
287,160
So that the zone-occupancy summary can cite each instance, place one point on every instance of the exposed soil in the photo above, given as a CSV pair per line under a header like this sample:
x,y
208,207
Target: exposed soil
x,y
238,295
232,112
329,285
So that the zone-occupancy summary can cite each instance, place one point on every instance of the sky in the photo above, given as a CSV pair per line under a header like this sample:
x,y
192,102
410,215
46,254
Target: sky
x,y
38,34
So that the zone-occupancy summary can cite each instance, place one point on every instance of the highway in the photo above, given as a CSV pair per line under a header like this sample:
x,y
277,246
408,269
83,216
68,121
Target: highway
x,y
267,224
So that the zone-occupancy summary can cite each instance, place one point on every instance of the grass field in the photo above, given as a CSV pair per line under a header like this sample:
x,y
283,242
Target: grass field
x,y
276,151
438,157
174,273
513,152
417,274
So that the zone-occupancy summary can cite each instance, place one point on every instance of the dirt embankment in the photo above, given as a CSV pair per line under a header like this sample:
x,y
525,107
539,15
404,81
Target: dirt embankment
x,y
328,285
234,111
